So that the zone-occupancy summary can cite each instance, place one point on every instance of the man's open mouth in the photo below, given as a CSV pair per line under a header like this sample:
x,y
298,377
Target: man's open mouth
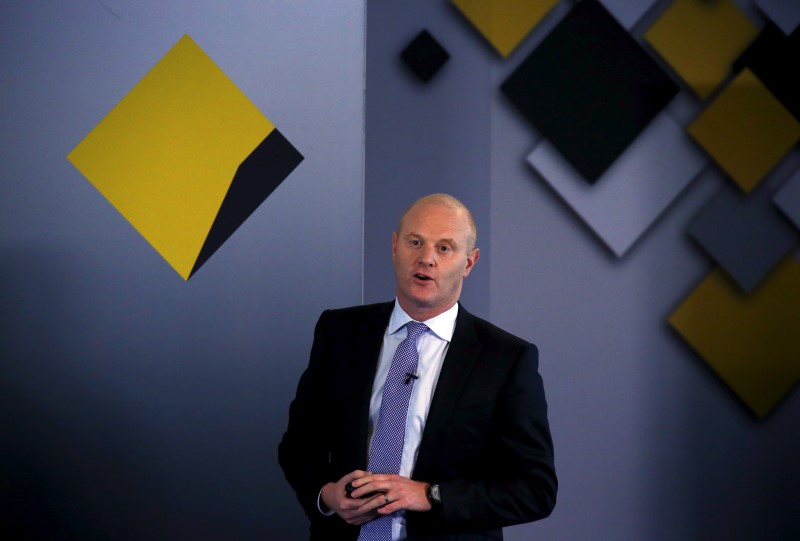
x,y
422,277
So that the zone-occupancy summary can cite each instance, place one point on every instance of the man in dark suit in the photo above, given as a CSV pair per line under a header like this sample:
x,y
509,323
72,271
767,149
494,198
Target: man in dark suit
x,y
472,452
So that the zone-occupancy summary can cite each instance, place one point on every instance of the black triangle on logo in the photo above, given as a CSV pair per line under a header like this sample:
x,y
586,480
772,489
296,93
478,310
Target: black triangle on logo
x,y
255,179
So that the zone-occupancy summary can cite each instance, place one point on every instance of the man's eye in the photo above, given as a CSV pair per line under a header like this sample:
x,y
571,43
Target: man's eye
x,y
444,248
415,243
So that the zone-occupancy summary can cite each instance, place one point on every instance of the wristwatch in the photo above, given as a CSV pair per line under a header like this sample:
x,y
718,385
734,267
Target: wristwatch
x,y
435,496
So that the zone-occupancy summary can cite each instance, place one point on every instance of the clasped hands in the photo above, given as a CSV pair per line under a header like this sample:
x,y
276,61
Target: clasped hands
x,y
374,494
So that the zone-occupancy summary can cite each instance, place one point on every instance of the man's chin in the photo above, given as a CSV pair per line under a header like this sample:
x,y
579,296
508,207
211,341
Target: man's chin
x,y
419,302
424,299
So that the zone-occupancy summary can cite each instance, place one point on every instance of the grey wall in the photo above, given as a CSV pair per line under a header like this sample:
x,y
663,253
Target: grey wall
x,y
134,405
650,444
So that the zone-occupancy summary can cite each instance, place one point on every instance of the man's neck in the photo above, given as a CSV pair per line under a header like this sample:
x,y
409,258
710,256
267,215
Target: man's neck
x,y
423,314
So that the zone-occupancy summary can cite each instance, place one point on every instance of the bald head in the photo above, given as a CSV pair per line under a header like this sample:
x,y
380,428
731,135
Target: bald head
x,y
450,202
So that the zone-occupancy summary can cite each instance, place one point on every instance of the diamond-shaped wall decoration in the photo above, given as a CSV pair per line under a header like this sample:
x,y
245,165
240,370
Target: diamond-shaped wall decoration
x,y
746,130
701,39
746,235
628,12
751,341
635,190
784,13
185,157
504,23
788,199
424,56
589,88
773,58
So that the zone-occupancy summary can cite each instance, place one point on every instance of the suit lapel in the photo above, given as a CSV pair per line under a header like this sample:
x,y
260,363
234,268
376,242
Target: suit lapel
x,y
461,355
369,339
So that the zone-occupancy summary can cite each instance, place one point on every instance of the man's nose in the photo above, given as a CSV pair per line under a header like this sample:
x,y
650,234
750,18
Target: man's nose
x,y
428,255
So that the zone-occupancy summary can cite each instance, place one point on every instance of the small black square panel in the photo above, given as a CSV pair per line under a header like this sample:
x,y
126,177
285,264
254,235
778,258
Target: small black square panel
x,y
589,88
424,56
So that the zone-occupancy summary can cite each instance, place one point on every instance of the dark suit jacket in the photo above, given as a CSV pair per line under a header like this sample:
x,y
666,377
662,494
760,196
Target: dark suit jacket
x,y
486,439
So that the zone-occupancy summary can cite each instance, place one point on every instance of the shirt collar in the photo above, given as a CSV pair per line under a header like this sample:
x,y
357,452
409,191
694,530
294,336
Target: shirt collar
x,y
442,325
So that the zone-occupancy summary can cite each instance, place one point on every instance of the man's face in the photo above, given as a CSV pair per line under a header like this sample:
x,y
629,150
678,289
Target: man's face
x,y
432,256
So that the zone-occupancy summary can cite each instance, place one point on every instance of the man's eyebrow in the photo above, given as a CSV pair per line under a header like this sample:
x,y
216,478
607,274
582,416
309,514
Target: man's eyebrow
x,y
451,242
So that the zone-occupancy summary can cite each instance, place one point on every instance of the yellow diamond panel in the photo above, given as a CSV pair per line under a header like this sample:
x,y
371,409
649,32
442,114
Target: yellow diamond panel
x,y
746,130
166,154
751,341
504,23
701,40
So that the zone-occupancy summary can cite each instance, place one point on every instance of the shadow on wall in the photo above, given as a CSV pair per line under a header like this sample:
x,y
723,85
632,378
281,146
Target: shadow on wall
x,y
105,435
68,466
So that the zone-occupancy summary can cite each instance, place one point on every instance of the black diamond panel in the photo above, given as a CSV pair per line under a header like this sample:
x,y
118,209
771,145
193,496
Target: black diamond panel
x,y
424,56
590,88
773,57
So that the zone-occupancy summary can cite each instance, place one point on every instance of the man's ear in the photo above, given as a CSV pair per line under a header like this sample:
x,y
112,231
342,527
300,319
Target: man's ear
x,y
394,243
472,258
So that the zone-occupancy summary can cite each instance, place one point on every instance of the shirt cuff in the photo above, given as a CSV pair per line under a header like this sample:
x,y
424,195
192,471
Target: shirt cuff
x,y
322,507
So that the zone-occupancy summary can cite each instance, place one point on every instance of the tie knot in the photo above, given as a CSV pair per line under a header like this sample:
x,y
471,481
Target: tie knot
x,y
415,328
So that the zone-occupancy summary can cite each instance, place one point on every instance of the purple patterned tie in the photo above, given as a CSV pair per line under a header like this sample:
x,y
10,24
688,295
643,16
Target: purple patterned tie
x,y
387,441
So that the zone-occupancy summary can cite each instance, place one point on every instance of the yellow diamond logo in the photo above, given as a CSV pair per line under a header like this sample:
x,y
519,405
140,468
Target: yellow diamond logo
x,y
185,157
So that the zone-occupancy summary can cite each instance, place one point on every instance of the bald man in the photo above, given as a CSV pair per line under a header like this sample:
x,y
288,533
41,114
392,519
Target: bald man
x,y
453,444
